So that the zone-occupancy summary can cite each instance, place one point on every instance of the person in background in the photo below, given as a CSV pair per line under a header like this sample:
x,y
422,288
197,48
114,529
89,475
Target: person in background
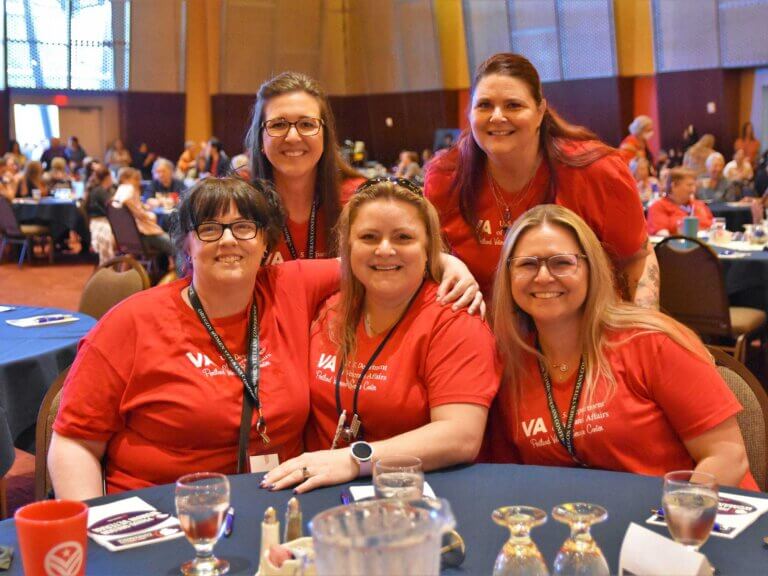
x,y
163,183
99,191
713,185
241,167
748,143
408,166
636,143
292,142
57,176
739,169
32,179
426,157
517,153
647,186
54,150
117,156
665,217
695,157
432,366
186,166
143,160
12,176
635,377
217,161
15,149
75,155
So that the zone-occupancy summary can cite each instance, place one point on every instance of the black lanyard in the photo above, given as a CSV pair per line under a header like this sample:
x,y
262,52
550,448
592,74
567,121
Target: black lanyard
x,y
250,379
311,237
356,422
565,435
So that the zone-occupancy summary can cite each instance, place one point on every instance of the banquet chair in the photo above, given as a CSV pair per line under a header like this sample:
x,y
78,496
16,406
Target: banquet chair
x,y
693,292
43,432
128,238
24,235
112,282
7,457
753,420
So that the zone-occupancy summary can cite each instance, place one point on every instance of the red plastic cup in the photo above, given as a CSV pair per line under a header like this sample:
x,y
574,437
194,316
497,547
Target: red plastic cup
x,y
52,537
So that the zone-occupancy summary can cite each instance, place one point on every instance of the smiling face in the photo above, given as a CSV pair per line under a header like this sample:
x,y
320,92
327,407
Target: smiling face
x,y
388,251
292,155
227,260
682,190
505,118
549,299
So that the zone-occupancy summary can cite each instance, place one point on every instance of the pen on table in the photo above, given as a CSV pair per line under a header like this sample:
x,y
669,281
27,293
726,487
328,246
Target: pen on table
x,y
229,522
52,318
346,497
716,527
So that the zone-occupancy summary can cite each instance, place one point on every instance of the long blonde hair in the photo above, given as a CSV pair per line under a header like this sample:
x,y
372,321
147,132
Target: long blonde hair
x,y
350,305
602,311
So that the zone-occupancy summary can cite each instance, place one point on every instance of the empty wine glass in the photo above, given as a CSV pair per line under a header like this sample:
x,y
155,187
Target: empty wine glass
x,y
579,553
399,477
519,556
202,500
690,506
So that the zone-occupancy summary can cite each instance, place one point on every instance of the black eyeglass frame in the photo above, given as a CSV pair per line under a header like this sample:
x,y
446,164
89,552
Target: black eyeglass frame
x,y
545,260
265,126
230,226
404,182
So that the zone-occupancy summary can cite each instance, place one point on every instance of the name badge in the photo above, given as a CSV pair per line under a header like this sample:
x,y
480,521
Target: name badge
x,y
263,462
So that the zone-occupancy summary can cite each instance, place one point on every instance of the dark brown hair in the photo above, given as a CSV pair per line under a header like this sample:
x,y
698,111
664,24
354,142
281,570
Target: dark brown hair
x,y
553,133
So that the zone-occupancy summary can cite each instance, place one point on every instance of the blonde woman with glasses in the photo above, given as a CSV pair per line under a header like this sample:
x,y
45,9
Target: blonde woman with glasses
x,y
592,381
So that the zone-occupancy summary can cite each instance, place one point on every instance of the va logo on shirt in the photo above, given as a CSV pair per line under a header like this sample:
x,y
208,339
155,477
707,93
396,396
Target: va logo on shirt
x,y
199,359
535,426
327,362
484,226
275,258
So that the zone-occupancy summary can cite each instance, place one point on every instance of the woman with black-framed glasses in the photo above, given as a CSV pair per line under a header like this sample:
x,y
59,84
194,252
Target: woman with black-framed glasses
x,y
591,381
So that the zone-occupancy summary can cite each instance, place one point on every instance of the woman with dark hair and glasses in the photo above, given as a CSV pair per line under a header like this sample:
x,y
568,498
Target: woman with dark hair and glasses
x,y
593,381
292,142
517,153
391,369
154,390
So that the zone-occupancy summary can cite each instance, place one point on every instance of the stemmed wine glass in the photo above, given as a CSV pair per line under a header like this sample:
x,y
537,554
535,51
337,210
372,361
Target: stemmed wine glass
x,y
202,500
690,506
579,553
519,556
398,477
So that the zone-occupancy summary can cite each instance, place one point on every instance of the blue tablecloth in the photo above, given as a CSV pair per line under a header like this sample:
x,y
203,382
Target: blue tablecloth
x,y
473,493
736,215
746,279
59,215
30,360
164,217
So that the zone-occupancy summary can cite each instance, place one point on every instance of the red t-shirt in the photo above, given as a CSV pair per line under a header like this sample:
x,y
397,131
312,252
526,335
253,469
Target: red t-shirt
x,y
666,215
300,230
436,356
664,396
604,194
149,381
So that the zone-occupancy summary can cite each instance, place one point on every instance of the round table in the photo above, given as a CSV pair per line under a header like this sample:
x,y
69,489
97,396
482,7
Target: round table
x,y
58,214
30,360
735,214
473,492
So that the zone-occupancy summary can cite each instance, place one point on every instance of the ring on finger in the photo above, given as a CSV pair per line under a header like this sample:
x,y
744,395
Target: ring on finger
x,y
305,473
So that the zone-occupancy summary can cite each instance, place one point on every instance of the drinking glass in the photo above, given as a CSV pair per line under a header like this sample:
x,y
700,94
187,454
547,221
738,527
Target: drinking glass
x,y
519,556
202,500
579,553
690,506
398,477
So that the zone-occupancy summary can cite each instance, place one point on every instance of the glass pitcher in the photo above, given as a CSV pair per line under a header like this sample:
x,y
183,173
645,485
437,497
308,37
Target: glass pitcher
x,y
381,537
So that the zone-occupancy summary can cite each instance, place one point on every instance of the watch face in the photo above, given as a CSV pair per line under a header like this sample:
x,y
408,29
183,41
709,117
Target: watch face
x,y
362,450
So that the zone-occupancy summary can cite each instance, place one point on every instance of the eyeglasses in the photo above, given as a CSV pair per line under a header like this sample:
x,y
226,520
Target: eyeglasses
x,y
558,265
241,229
405,183
305,126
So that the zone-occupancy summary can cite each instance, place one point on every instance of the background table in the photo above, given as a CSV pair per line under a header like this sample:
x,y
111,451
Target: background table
x,y
30,360
59,215
736,215
473,493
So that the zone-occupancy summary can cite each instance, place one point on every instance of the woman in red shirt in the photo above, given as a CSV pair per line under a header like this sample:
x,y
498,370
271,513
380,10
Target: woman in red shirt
x,y
665,216
389,365
292,142
592,381
517,153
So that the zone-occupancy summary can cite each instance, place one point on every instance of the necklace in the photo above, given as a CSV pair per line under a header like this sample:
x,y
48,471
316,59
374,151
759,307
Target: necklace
x,y
562,367
504,208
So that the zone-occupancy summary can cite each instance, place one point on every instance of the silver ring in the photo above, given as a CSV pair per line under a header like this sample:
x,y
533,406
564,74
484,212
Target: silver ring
x,y
305,473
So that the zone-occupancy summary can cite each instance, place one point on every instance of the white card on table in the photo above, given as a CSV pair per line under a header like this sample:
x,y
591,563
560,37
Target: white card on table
x,y
130,523
368,491
666,556
7,308
44,320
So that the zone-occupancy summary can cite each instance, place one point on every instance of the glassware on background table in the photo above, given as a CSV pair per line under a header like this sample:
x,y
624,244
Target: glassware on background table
x,y
202,500
399,477
690,506
519,556
580,554
718,231
381,537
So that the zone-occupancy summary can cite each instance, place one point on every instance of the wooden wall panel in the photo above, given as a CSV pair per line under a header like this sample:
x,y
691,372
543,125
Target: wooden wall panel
x,y
231,114
683,99
155,118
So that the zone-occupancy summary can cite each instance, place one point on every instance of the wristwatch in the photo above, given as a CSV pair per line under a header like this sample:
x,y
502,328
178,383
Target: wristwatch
x,y
362,453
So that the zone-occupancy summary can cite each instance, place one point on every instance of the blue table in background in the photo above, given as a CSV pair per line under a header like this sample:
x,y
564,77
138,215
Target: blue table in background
x,y
58,214
735,214
30,360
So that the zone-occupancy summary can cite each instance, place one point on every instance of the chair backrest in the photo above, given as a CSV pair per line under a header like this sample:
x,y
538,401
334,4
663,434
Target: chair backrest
x,y
9,226
753,420
125,230
112,282
692,287
43,432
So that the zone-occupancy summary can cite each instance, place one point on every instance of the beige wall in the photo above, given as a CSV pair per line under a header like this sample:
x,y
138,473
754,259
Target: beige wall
x,y
634,37
156,45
